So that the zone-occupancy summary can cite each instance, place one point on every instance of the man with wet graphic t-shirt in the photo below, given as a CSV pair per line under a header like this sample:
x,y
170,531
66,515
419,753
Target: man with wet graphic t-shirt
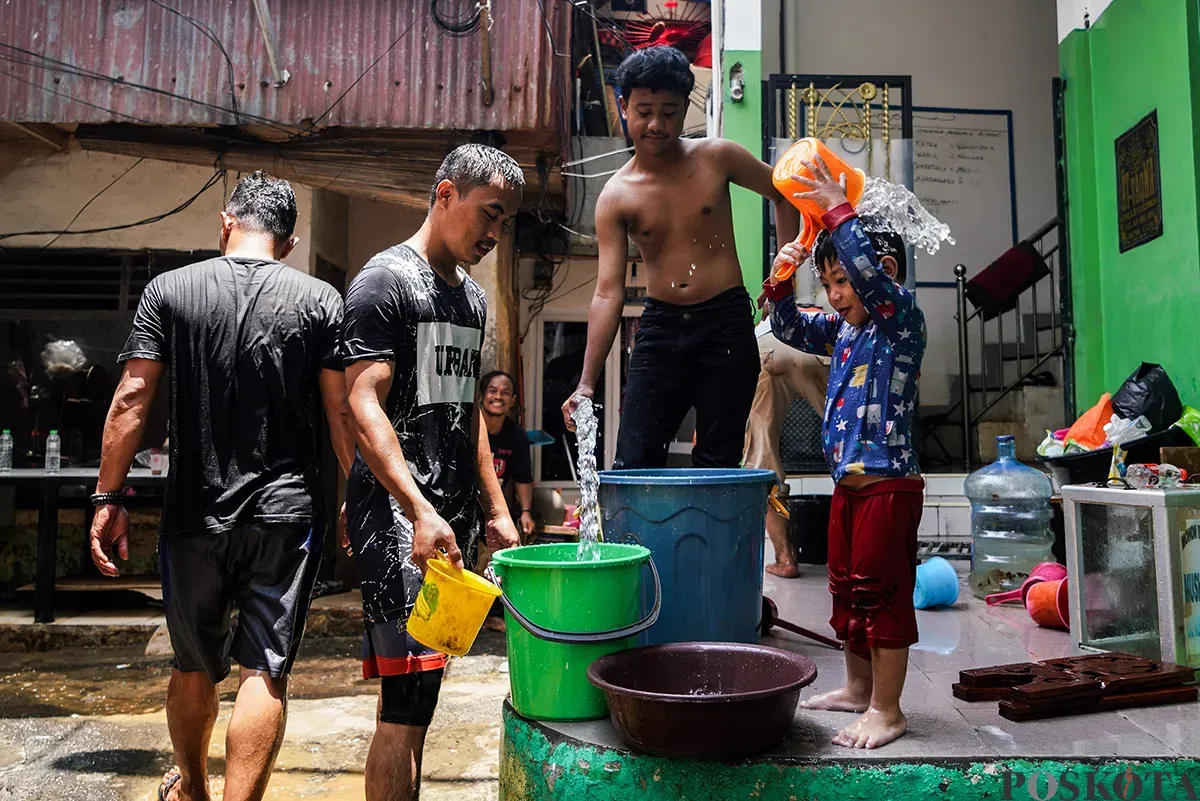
x,y
250,347
411,339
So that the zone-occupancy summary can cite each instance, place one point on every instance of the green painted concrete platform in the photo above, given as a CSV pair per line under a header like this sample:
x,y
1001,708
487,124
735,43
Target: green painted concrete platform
x,y
538,763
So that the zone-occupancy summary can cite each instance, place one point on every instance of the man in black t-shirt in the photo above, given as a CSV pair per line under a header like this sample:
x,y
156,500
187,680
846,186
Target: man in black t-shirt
x,y
510,455
250,347
510,446
411,342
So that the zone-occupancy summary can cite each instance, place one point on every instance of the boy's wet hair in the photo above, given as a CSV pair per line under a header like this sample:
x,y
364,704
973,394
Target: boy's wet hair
x,y
885,243
658,69
470,166
264,205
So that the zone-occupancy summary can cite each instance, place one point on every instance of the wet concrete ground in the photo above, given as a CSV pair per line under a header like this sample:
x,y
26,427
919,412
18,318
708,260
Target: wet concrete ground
x,y
90,724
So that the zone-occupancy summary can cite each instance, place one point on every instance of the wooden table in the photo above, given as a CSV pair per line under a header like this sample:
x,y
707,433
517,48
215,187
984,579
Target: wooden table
x,y
47,542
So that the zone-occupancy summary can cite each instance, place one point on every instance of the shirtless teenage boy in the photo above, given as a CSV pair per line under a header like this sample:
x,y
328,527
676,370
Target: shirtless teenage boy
x,y
696,347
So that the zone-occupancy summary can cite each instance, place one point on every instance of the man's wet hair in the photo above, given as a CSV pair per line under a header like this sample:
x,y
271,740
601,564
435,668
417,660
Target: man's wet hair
x,y
885,243
486,381
658,69
471,166
264,205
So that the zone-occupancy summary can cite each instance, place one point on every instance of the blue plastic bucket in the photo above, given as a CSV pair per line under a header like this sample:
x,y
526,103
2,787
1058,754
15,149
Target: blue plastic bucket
x,y
705,531
937,584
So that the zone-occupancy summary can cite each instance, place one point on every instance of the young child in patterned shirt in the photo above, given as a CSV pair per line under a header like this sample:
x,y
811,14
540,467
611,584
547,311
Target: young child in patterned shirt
x,y
876,341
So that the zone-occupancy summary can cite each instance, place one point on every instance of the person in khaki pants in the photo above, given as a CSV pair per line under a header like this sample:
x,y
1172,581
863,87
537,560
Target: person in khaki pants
x,y
786,374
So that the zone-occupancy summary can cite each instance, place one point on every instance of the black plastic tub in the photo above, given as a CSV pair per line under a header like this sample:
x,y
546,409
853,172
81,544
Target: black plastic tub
x,y
1088,468
703,700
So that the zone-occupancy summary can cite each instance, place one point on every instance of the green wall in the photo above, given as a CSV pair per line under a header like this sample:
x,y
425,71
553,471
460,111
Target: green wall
x,y
743,124
1142,305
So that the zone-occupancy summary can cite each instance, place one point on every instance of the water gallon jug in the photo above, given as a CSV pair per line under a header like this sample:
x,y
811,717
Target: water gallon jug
x,y
789,165
1010,521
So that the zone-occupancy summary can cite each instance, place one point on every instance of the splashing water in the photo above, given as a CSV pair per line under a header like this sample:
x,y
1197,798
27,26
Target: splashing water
x,y
885,206
586,430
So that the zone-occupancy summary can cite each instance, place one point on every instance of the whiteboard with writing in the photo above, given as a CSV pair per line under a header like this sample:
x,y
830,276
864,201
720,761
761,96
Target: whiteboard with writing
x,y
963,174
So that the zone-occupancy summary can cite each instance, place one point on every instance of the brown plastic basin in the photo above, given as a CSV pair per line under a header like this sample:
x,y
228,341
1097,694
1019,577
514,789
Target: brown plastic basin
x,y
703,700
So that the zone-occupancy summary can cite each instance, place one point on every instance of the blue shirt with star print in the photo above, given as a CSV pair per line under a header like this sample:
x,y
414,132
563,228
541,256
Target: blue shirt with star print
x,y
871,400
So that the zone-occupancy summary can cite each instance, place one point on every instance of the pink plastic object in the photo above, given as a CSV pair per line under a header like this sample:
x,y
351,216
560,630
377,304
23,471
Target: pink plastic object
x,y
1046,571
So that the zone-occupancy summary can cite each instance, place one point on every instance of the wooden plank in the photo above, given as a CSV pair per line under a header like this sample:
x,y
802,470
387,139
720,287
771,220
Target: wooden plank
x,y
45,133
1016,711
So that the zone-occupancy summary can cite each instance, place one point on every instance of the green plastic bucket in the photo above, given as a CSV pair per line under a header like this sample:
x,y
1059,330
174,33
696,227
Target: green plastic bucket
x,y
563,614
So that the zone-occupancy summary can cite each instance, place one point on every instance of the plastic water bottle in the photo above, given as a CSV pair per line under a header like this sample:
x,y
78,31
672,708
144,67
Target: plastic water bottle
x,y
6,451
1010,521
53,452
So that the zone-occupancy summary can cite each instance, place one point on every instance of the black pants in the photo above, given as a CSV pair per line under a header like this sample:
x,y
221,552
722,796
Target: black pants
x,y
703,356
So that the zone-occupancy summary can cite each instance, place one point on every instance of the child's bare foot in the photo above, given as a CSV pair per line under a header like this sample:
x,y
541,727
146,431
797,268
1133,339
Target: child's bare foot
x,y
494,624
873,729
843,700
784,569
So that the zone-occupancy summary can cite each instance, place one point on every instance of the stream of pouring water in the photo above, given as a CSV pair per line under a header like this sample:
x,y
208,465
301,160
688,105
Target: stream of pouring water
x,y
586,430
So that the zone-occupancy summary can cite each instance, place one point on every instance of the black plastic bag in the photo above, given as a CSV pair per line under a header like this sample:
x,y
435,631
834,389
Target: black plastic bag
x,y
1149,393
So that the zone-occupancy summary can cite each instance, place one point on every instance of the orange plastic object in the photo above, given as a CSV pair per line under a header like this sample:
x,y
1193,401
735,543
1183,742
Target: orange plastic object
x,y
790,165
1047,604
1088,430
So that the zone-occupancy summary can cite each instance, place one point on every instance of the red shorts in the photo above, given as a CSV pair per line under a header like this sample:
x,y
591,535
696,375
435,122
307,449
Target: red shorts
x,y
873,564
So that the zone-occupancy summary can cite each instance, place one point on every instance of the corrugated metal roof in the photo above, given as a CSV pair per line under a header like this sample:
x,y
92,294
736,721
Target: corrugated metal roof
x,y
428,80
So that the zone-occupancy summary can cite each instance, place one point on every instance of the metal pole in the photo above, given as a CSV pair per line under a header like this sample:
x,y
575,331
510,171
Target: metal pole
x,y
600,69
960,273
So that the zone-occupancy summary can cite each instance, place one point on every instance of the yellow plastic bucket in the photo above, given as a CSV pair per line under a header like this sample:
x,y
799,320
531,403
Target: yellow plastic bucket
x,y
450,608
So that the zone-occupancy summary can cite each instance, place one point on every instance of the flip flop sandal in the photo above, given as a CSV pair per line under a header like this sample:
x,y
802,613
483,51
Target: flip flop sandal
x,y
172,778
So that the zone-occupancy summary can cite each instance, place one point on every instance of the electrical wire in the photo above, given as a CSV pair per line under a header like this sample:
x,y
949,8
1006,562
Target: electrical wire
x,y
362,75
216,178
74,99
209,34
608,23
605,174
458,27
95,197
73,69
576,233
577,162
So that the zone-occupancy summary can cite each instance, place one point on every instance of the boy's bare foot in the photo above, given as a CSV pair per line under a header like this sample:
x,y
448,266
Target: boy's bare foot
x,y
784,569
494,624
873,729
842,700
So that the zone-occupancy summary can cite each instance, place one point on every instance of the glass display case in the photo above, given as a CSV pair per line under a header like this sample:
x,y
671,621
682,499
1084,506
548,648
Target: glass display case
x,y
1133,557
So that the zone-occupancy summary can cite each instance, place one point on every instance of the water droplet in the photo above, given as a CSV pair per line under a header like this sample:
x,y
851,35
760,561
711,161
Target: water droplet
x,y
885,206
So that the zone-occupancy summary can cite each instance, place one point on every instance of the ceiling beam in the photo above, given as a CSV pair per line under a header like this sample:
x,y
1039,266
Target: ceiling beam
x,y
378,166
43,132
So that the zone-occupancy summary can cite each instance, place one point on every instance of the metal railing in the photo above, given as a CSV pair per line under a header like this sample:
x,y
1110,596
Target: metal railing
x,y
1037,322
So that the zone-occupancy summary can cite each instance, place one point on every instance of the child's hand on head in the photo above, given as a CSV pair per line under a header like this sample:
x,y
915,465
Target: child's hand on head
x,y
824,190
791,256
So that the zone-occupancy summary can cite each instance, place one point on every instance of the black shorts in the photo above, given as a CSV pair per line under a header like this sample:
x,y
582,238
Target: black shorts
x,y
411,699
266,570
